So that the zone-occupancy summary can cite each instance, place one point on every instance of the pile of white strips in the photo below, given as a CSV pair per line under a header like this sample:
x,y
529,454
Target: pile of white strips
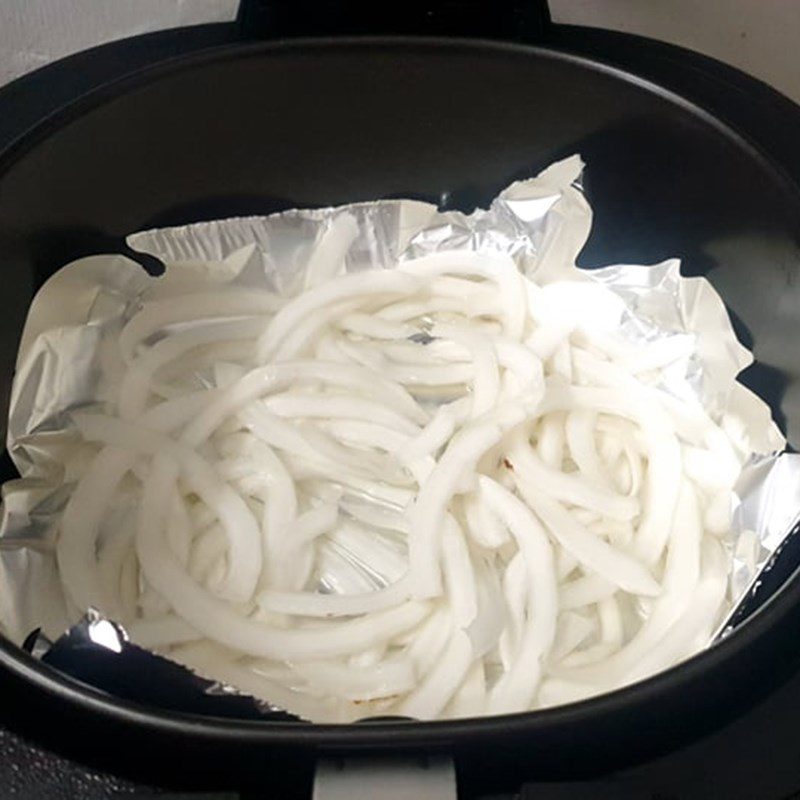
x,y
434,491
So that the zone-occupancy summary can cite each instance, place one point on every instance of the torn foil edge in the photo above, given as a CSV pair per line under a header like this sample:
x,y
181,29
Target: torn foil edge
x,y
542,223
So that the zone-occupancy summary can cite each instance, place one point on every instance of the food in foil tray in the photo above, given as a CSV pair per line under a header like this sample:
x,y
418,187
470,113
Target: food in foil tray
x,y
382,460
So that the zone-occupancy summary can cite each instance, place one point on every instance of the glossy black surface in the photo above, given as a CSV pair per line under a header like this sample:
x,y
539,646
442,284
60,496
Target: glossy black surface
x,y
452,122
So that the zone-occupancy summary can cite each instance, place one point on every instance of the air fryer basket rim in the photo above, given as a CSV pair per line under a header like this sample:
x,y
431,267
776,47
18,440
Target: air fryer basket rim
x,y
389,735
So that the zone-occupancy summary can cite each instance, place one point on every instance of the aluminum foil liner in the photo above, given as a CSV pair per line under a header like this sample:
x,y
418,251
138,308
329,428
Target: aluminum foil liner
x,y
67,359
97,652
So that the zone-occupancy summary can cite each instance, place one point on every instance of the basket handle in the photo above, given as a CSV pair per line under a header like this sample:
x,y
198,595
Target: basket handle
x,y
510,20
400,778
